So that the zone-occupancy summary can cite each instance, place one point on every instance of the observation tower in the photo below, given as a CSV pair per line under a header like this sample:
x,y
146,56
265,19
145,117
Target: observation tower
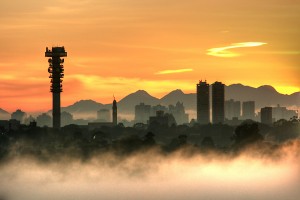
x,y
56,71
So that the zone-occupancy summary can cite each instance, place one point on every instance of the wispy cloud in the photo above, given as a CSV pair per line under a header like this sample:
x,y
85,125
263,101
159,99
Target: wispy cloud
x,y
224,51
173,71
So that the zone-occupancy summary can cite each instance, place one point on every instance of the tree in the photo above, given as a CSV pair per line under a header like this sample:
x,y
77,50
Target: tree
x,y
247,133
207,143
177,143
149,139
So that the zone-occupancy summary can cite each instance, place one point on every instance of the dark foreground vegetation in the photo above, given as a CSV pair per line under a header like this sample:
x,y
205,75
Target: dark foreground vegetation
x,y
78,142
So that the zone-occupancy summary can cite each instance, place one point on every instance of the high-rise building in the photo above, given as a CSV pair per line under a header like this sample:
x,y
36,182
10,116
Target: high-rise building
x,y
218,101
56,70
266,115
203,111
232,109
142,113
179,114
280,112
115,113
248,110
156,108
162,118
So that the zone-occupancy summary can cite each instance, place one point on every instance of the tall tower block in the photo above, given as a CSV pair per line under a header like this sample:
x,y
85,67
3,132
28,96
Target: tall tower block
x,y
56,70
203,112
115,113
218,103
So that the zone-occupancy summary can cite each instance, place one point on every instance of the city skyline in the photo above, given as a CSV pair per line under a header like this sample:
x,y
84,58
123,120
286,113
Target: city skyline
x,y
244,95
118,47
150,99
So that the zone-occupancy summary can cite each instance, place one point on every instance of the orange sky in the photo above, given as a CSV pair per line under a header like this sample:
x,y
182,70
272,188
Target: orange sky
x,y
120,46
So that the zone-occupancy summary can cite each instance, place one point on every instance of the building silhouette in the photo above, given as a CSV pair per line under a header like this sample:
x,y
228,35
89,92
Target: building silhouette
x,y
156,108
248,110
233,122
142,113
203,111
266,115
232,109
163,119
218,101
9,125
114,113
29,119
114,122
103,115
56,70
179,114
280,112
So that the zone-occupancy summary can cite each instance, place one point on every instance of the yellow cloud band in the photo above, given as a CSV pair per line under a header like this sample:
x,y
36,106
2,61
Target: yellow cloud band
x,y
224,52
173,71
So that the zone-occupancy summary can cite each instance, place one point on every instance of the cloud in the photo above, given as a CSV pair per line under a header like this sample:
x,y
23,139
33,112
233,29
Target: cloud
x,y
224,51
173,71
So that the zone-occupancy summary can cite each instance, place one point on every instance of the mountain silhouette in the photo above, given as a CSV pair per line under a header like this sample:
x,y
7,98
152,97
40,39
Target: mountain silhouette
x,y
4,115
83,106
128,103
263,96
83,109
189,100
3,111
89,108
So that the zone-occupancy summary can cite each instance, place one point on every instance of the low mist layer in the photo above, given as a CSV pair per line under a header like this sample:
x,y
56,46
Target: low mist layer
x,y
151,174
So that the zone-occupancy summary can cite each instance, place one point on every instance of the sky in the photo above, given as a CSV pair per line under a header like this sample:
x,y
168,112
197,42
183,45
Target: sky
x,y
116,47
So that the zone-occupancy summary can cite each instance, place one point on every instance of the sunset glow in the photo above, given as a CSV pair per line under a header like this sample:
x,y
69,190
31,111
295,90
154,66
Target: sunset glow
x,y
121,46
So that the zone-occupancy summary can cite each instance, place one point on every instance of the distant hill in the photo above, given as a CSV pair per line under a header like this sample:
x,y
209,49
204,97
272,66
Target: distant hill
x,y
4,115
263,96
189,100
128,103
3,111
83,108
89,108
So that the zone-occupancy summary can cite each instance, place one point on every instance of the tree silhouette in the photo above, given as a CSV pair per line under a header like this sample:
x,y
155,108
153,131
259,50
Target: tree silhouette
x,y
4,145
149,139
177,143
207,143
247,133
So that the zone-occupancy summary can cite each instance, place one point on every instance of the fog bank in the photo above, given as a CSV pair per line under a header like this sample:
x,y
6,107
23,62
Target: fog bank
x,y
151,175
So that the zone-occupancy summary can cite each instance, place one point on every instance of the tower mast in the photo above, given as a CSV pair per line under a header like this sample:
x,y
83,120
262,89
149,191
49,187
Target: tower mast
x,y
56,71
